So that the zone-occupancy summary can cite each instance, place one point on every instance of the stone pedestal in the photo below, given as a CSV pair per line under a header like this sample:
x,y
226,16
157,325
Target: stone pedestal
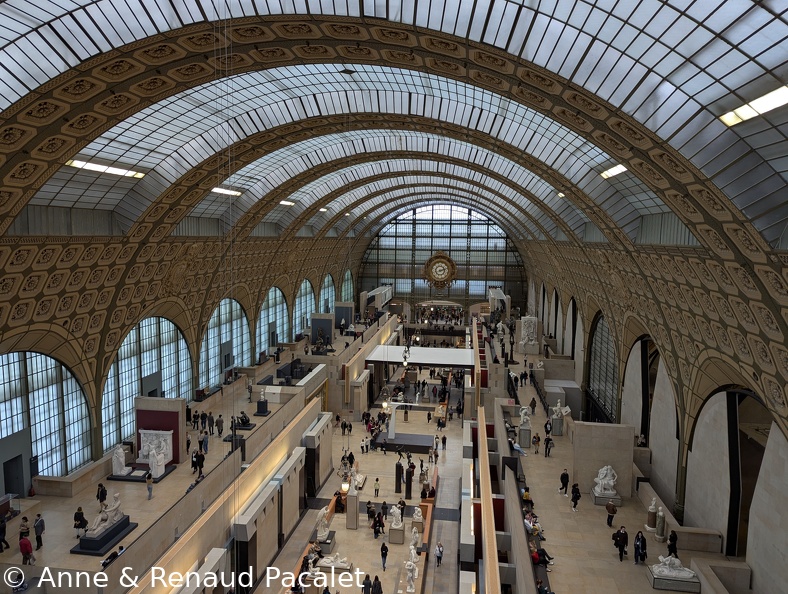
x,y
651,522
525,437
603,498
398,478
674,584
351,511
262,409
397,535
558,426
418,525
328,545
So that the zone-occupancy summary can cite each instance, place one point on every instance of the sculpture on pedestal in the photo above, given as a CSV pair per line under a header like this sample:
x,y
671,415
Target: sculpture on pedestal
x,y
660,525
412,573
396,517
529,330
605,481
356,479
671,567
558,410
414,537
651,518
417,515
119,467
525,416
108,516
156,461
322,524
413,556
335,560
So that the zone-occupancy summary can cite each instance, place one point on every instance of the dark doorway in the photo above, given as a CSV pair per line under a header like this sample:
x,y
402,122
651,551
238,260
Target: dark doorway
x,y
14,476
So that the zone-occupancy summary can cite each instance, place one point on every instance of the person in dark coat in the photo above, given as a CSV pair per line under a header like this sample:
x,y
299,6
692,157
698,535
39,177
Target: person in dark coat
x,y
564,482
3,541
80,521
672,548
621,540
575,496
640,547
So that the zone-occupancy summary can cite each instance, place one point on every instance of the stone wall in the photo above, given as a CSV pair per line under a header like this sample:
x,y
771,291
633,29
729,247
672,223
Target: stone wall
x,y
663,438
598,444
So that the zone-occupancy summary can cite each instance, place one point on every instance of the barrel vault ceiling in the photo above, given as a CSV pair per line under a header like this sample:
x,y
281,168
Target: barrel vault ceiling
x,y
352,112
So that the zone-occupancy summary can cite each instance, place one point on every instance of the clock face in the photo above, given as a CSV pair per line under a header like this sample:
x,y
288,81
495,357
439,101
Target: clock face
x,y
440,271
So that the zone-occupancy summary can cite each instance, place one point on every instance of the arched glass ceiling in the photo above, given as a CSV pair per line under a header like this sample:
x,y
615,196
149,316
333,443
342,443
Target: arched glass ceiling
x,y
674,65
182,131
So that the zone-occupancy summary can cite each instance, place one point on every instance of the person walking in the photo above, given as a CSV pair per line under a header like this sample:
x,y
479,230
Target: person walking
x,y
200,463
101,496
548,446
377,486
532,404
203,420
24,528
673,539
219,425
195,420
199,441
621,540
385,510
39,527
80,522
548,428
384,552
564,482
443,442
429,417
612,510
211,423
439,553
575,496
205,440
149,484
3,529
366,585
377,587
640,547
535,441
194,461
188,442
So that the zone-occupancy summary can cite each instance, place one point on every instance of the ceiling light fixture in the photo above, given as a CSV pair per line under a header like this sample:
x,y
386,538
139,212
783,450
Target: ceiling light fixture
x,y
323,210
613,171
756,107
561,195
104,169
226,192
347,214
286,203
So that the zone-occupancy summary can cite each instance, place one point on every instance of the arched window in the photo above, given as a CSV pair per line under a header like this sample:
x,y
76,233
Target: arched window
x,y
37,389
154,355
603,371
304,307
274,319
327,295
347,287
227,333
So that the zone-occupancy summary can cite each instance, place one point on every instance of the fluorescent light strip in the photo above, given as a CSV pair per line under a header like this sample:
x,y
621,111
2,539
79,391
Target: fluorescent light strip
x,y
613,171
226,192
323,210
561,194
286,203
104,169
756,107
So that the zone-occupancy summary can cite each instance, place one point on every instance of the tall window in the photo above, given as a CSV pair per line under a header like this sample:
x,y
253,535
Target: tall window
x,y
483,253
274,317
347,287
227,324
58,411
304,307
327,295
603,370
154,346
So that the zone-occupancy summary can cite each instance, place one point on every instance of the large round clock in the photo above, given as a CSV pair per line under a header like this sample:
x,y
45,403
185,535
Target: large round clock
x,y
440,270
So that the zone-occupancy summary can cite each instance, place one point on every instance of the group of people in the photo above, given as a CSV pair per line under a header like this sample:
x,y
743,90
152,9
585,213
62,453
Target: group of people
x,y
25,546
207,423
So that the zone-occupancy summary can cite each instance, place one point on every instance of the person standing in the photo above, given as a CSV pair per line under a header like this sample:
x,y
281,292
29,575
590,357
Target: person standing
x,y
384,509
349,428
199,441
429,417
205,440
621,540
564,482
149,484
640,547
101,496
575,496
673,539
532,404
200,462
344,427
548,428
80,522
377,486
219,425
384,553
188,442
611,510
211,423
39,527
535,441
443,442
203,420
195,419
27,551
439,553
377,587
194,461
548,445
366,585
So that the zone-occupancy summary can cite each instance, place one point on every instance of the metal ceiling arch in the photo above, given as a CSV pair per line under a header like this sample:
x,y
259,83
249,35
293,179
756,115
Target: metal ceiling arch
x,y
326,177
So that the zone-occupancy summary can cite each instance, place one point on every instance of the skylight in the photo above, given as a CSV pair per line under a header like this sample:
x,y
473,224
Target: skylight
x,y
757,107
104,169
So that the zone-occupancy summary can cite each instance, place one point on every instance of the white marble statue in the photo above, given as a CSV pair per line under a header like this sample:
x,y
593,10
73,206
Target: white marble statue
x,y
109,515
322,524
119,467
356,479
161,441
413,556
414,537
412,570
417,515
529,329
335,560
671,567
396,517
605,480
558,412
156,461
525,413
653,506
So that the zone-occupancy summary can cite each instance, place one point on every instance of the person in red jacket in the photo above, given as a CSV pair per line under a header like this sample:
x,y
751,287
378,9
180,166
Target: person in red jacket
x,y
26,548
